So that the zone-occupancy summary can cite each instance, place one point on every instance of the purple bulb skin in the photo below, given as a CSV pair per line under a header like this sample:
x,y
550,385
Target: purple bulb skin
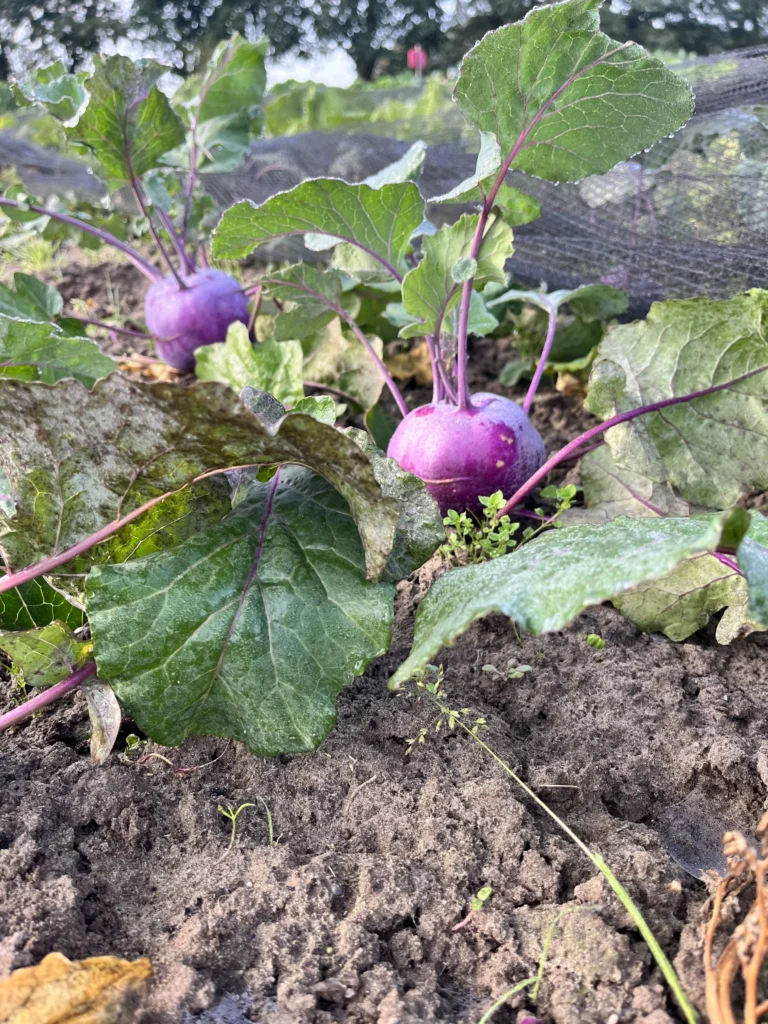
x,y
465,454
181,321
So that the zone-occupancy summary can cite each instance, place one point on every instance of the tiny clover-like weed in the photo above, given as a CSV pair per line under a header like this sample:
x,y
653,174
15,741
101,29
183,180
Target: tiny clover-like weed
x,y
595,641
473,540
429,684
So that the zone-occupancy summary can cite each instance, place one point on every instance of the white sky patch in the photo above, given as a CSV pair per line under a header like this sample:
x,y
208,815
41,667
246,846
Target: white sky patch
x,y
333,68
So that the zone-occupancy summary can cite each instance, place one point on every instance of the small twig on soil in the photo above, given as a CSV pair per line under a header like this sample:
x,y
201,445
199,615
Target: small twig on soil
x,y
178,769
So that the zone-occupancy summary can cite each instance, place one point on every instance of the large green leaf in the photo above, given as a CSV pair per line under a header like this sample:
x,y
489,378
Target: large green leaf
x,y
610,492
753,562
568,99
336,358
78,460
714,448
544,585
231,636
128,124
380,221
432,288
42,657
270,366
42,352
62,94
36,604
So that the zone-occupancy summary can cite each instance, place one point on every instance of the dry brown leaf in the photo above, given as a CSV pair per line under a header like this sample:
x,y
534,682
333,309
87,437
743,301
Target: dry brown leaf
x,y
569,384
413,363
100,990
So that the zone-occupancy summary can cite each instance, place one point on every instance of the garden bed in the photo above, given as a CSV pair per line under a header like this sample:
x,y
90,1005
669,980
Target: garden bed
x,y
647,748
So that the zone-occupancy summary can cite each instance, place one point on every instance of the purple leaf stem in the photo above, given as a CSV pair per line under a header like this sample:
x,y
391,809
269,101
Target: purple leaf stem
x,y
48,696
138,261
552,312
573,446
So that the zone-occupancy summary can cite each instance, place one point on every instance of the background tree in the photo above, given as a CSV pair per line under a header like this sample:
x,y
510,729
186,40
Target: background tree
x,y
56,30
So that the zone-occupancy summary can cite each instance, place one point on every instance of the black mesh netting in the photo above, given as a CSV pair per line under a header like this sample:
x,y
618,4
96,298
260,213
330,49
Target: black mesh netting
x,y
688,217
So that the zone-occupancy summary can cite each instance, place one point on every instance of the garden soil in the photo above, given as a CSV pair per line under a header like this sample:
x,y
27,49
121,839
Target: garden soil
x,y
357,911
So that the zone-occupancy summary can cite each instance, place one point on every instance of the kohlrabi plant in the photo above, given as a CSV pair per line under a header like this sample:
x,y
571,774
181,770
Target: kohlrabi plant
x,y
155,150
222,557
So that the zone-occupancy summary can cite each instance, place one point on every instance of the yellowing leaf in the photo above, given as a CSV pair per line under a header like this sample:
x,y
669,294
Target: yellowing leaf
x,y
100,990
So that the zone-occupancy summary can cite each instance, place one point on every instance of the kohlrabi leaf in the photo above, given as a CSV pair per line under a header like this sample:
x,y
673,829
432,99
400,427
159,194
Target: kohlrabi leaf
x,y
32,300
610,492
270,366
407,168
514,206
564,98
308,292
233,82
593,302
380,221
544,585
420,530
431,290
42,657
682,601
710,450
337,358
248,630
36,604
77,460
62,94
42,352
128,124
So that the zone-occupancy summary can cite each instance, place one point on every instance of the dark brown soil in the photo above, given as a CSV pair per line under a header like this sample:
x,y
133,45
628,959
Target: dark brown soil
x,y
648,749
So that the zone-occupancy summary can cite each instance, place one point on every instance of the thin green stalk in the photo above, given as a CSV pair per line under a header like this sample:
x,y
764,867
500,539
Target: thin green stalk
x,y
621,893
503,999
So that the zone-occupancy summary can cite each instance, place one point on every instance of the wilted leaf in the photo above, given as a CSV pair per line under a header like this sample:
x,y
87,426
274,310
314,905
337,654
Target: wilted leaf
x,y
420,530
229,636
712,449
270,366
430,290
414,364
381,221
544,585
338,359
78,460
42,657
42,352
572,100
105,716
100,990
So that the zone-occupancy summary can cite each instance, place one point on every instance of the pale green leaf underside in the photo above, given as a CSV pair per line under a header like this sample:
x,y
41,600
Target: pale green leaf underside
x,y
548,582
77,460
572,100
381,221
192,647
715,448
270,366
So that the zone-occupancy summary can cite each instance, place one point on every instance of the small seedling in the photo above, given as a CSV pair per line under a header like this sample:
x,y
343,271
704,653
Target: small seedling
x,y
514,671
595,641
233,815
133,743
476,904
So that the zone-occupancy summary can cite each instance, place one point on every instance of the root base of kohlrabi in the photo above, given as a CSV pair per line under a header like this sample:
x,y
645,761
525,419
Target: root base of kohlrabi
x,y
464,454
180,321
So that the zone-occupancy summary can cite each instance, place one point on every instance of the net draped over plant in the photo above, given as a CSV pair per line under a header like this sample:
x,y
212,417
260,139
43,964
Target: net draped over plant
x,y
686,218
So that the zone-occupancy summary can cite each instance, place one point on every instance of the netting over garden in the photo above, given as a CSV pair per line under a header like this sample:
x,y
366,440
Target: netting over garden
x,y
689,217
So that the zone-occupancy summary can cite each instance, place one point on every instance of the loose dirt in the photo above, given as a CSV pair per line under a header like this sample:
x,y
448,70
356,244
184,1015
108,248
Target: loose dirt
x,y
648,749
